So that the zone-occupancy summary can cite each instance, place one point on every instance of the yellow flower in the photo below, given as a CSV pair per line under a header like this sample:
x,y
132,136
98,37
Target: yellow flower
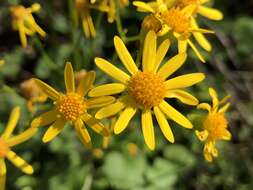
x,y
2,62
23,21
7,142
72,107
146,89
200,8
214,125
180,23
32,93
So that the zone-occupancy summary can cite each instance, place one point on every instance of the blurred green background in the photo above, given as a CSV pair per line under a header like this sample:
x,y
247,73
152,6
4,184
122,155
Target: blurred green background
x,y
64,164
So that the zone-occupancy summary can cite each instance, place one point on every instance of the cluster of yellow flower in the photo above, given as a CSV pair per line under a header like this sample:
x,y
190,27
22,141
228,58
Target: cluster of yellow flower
x,y
147,89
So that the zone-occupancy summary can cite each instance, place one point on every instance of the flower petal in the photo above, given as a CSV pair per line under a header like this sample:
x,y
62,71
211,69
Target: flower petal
x,y
227,135
19,162
164,125
161,52
148,129
107,89
149,52
184,81
69,78
2,174
196,51
44,119
83,133
210,13
125,56
224,108
111,70
95,125
214,96
202,135
124,119
99,102
86,83
54,130
48,90
12,123
143,7
175,115
172,65
204,106
182,46
183,96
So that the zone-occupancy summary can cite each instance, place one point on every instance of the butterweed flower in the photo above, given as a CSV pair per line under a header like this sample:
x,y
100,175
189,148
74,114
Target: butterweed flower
x,y
72,107
23,21
214,126
146,89
32,93
7,142
179,22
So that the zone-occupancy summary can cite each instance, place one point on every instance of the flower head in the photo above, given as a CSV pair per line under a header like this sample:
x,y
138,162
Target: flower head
x,y
7,141
214,126
72,107
146,89
23,21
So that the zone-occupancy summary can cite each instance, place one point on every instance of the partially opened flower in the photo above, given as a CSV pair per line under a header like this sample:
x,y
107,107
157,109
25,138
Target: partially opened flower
x,y
23,21
180,23
146,89
72,107
7,142
214,126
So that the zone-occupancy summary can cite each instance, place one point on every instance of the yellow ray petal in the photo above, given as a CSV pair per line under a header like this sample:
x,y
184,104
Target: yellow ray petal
x,y
143,7
204,106
175,115
112,109
19,162
161,52
22,137
91,26
164,125
214,96
148,129
48,90
54,130
182,46
202,135
172,65
99,102
83,134
196,51
227,135
2,174
13,120
149,52
111,70
86,83
86,28
124,119
183,96
210,13
45,119
189,10
95,125
224,108
69,78
184,81
125,56
22,35
107,89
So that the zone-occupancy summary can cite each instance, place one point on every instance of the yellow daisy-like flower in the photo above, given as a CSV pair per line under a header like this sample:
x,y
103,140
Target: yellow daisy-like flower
x,y
214,125
146,89
180,23
72,107
23,21
7,142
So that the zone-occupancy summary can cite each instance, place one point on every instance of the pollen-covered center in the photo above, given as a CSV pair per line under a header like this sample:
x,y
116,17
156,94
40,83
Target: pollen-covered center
x,y
147,89
215,124
4,148
19,12
176,20
183,3
71,106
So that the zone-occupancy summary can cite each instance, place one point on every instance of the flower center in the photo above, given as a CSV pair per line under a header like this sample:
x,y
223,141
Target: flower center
x,y
150,22
176,20
147,89
82,5
215,124
71,106
183,3
19,12
4,148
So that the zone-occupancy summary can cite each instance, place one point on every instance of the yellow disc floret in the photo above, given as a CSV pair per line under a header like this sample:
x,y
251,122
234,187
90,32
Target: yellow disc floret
x,y
147,89
177,20
183,3
4,148
215,124
71,106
